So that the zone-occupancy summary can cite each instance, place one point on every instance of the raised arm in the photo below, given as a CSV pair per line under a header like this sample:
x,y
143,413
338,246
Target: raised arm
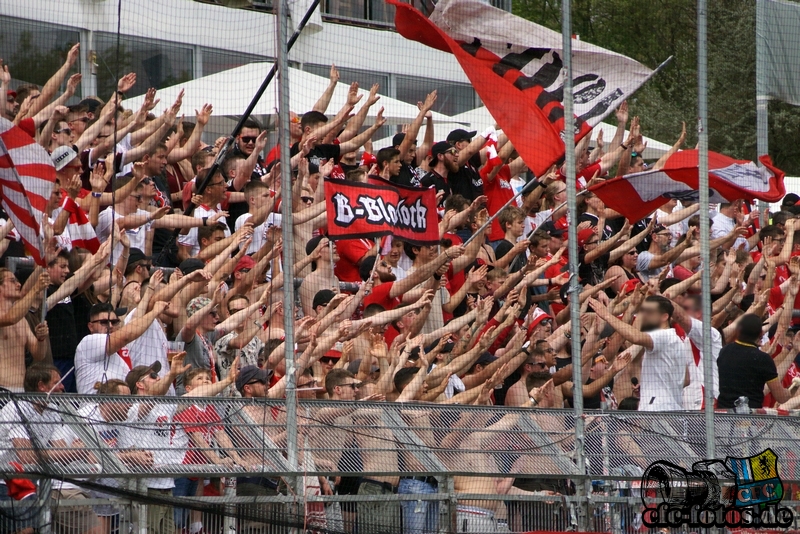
x,y
413,130
193,143
355,124
359,140
325,99
134,329
627,331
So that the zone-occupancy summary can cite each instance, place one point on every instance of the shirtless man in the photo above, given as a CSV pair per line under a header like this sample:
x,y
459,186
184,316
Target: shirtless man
x,y
321,276
15,334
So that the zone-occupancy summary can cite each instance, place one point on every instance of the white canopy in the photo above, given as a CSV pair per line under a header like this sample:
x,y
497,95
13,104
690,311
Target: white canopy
x,y
479,119
230,93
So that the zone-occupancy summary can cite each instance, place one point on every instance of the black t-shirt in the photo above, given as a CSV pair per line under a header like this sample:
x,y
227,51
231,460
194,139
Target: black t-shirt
x,y
319,154
408,176
502,248
592,273
435,179
62,325
467,182
743,371
165,250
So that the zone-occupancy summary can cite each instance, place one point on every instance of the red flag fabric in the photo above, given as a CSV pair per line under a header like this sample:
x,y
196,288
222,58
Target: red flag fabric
x,y
80,230
27,176
637,195
359,210
515,67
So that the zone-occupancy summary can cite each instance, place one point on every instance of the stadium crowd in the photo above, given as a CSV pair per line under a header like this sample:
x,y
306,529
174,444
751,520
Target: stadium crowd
x,y
129,309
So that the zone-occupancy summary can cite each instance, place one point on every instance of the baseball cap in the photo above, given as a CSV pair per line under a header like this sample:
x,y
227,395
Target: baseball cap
x,y
190,265
460,134
135,255
12,94
584,236
368,160
246,262
629,286
440,148
550,229
322,298
397,140
250,373
539,315
485,359
139,372
659,228
61,156
790,200
196,304
91,103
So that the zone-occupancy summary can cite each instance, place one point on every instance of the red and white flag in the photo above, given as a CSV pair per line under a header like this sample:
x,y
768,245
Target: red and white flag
x,y
27,176
79,229
515,67
637,195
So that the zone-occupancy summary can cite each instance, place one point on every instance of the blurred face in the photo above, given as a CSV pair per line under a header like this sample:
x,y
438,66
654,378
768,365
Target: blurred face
x,y
104,323
11,107
583,158
59,270
637,164
55,197
78,123
598,368
662,239
426,253
594,203
62,134
541,250
494,285
543,329
516,228
384,272
651,317
549,354
327,363
555,244
210,321
450,158
328,248
247,140
304,385
54,378
560,196
411,155
294,126
256,388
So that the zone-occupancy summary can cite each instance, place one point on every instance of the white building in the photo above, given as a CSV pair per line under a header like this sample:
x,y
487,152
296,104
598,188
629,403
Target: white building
x,y
169,41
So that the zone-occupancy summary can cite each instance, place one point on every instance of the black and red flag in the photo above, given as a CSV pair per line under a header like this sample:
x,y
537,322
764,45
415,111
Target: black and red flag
x,y
359,210
515,67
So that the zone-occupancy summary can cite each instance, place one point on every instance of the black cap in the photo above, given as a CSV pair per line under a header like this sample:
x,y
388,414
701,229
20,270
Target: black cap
x,y
322,298
249,373
136,254
790,200
460,134
140,371
397,140
366,267
550,229
440,148
91,103
486,359
313,243
190,265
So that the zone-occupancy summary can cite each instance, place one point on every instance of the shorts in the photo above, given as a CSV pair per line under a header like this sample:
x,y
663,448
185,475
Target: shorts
x,y
72,519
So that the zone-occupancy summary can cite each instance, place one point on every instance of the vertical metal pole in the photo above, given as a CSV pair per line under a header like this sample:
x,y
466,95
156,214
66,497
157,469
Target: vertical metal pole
x,y
574,287
288,233
702,130
762,98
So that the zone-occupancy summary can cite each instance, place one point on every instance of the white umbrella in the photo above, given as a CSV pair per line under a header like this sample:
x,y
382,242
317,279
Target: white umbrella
x,y
230,93
479,119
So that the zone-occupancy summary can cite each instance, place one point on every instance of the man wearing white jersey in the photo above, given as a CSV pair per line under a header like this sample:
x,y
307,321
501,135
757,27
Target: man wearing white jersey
x,y
666,353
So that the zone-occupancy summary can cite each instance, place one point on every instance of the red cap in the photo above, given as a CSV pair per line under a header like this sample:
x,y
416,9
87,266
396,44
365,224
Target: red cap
x,y
245,263
368,160
538,316
12,94
584,236
629,286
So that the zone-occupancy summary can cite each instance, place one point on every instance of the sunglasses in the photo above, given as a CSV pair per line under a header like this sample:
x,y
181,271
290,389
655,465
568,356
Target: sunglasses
x,y
354,386
147,181
256,382
545,322
244,271
10,99
106,322
327,360
307,200
539,364
64,130
214,313
209,148
309,384
153,375
633,253
248,140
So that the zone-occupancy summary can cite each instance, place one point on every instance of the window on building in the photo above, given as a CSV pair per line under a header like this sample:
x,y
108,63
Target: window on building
x,y
452,97
34,51
215,61
156,63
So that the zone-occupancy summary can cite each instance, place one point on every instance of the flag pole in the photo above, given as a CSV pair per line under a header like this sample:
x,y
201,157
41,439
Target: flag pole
x,y
528,187
762,99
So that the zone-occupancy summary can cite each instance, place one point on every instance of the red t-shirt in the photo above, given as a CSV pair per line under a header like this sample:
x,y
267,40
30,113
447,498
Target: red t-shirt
x,y
380,295
204,420
681,273
582,177
350,253
498,192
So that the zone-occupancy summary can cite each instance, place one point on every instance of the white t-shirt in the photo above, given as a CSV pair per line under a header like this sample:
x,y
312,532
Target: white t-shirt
x,y
137,236
663,371
150,347
91,365
153,432
14,419
190,239
693,393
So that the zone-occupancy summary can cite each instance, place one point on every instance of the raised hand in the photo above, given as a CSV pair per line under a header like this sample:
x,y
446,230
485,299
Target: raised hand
x,y
334,74
73,82
126,83
622,113
379,119
204,114
74,53
373,95
352,95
